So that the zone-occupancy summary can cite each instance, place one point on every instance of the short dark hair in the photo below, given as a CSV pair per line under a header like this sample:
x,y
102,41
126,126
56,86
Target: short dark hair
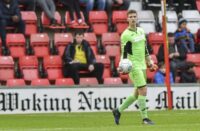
x,y
161,64
131,12
79,32
170,34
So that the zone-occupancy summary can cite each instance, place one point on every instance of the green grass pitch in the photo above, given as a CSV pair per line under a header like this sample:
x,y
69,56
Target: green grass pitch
x,y
102,121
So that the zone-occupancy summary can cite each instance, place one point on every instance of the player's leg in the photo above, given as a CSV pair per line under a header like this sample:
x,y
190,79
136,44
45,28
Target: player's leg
x,y
142,92
126,103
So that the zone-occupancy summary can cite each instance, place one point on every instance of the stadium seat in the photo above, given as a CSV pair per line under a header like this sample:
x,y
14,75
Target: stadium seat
x,y
46,21
29,67
195,58
135,5
146,20
16,44
113,81
88,81
40,44
113,51
106,61
193,20
68,21
30,20
15,82
197,72
40,82
98,21
61,40
198,5
53,66
172,19
64,82
92,39
155,38
119,19
6,68
110,39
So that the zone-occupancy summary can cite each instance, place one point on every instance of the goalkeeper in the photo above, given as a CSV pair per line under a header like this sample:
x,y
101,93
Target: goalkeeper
x,y
134,48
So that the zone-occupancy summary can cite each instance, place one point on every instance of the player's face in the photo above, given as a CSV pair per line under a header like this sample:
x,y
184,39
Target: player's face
x,y
132,18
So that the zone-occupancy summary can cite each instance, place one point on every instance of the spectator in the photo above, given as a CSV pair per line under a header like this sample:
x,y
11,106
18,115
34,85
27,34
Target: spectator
x,y
9,16
29,5
181,5
90,4
48,6
79,56
159,77
122,5
184,36
187,74
73,5
177,55
197,46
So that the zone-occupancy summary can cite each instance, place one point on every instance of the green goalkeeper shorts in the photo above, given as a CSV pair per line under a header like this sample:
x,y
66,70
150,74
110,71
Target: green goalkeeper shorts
x,y
138,77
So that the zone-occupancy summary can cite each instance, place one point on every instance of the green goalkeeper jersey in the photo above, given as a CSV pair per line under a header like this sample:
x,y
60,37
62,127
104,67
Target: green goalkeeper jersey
x,y
137,47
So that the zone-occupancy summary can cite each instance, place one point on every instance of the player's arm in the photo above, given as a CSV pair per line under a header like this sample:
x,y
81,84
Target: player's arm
x,y
149,61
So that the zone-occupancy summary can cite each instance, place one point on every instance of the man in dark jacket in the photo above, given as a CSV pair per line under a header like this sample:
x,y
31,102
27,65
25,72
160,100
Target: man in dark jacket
x,y
78,56
9,16
177,55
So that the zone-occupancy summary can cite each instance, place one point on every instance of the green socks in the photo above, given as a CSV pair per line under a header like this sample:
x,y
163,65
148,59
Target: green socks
x,y
142,106
128,101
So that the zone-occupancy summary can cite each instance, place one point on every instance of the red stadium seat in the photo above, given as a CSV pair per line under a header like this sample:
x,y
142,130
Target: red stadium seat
x,y
155,48
80,26
40,44
16,44
113,81
64,82
113,51
46,21
88,81
98,21
197,72
195,58
40,82
119,19
29,67
198,5
61,40
155,38
92,39
6,68
106,61
15,82
53,66
30,20
110,39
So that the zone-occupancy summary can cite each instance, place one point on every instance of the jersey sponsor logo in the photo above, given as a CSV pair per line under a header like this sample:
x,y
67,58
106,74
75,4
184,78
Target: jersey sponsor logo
x,y
138,38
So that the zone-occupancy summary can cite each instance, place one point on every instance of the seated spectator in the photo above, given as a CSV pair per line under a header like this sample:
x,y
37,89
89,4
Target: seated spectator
x,y
48,6
184,36
78,56
9,16
29,5
73,5
187,74
159,77
90,4
177,55
122,5
181,6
